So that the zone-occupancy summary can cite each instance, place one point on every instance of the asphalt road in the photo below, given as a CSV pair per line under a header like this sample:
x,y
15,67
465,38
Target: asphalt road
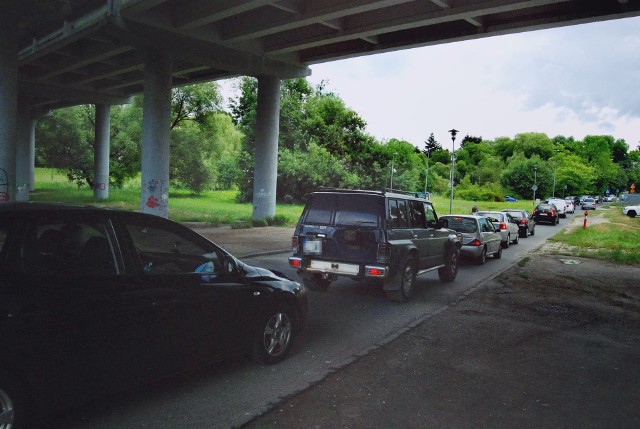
x,y
344,323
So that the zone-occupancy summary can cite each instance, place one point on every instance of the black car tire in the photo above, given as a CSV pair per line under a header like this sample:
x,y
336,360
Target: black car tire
x,y
274,335
533,230
525,233
480,260
505,244
13,411
631,213
407,282
516,240
498,254
449,272
316,282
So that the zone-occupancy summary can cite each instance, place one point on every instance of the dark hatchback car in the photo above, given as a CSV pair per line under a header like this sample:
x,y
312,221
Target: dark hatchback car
x,y
547,213
526,222
93,301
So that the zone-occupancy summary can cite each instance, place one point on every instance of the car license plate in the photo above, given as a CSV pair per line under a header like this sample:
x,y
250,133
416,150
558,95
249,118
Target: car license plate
x,y
312,246
335,267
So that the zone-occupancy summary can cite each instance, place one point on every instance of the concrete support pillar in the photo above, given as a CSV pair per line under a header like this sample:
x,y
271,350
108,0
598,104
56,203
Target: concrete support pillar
x,y
32,155
156,119
8,103
101,152
265,176
24,157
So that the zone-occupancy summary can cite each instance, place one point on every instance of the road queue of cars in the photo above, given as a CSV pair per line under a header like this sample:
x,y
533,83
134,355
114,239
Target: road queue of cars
x,y
96,301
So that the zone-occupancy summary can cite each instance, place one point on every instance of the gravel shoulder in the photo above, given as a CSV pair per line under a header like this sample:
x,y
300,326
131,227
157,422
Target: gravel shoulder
x,y
552,342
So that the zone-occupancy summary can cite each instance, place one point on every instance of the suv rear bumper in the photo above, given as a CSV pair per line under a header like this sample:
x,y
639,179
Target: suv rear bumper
x,y
338,268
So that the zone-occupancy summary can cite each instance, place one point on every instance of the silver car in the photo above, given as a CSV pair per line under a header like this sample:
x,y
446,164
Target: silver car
x,y
480,237
588,204
509,229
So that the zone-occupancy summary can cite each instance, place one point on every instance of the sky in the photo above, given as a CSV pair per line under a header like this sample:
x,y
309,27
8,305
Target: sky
x,y
572,81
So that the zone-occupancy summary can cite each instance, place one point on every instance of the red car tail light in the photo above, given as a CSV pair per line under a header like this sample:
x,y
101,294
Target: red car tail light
x,y
523,222
503,226
295,262
475,242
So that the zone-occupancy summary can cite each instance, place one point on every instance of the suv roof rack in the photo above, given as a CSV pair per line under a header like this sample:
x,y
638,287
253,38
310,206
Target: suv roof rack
x,y
409,193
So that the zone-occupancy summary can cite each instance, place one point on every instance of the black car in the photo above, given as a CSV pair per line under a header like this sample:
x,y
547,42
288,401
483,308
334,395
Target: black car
x,y
526,222
547,213
385,235
93,300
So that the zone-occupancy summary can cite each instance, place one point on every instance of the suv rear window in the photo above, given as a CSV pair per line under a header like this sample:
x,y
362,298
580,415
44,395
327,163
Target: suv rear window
x,y
349,210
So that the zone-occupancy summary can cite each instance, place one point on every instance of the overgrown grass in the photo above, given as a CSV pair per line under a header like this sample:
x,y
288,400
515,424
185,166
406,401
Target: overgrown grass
x,y
617,240
213,207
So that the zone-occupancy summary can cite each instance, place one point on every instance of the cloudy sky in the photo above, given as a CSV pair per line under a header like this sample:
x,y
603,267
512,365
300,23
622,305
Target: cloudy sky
x,y
572,81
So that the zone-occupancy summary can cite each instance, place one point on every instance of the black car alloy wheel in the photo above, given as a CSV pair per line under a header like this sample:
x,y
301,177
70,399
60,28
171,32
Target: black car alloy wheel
x,y
275,336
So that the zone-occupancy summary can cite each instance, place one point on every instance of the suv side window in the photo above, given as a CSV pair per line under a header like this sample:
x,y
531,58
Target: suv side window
x,y
416,210
430,213
398,214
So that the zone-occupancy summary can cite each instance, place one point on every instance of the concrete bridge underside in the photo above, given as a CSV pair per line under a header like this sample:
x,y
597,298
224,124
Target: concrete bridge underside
x,y
59,53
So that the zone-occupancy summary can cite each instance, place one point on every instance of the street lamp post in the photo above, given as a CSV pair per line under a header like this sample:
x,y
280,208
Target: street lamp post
x,y
535,182
393,158
453,132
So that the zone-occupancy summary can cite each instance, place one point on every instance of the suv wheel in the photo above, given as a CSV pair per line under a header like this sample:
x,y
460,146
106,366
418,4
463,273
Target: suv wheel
x,y
316,282
449,272
12,403
408,282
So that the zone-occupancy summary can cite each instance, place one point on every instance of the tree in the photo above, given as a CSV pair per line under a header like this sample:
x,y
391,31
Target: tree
x,y
431,145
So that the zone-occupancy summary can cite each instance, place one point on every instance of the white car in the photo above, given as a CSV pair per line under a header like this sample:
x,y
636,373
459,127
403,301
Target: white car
x,y
631,211
571,208
560,204
509,229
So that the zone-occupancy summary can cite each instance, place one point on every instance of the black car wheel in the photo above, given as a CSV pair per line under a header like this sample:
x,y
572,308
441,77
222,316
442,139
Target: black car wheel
x,y
505,244
449,272
498,254
480,260
12,412
533,230
275,335
631,213
516,240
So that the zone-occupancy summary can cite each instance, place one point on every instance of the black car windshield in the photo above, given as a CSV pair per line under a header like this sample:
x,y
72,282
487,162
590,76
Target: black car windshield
x,y
461,224
349,210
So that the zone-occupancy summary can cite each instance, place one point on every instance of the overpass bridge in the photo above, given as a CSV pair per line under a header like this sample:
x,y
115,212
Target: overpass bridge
x,y
58,53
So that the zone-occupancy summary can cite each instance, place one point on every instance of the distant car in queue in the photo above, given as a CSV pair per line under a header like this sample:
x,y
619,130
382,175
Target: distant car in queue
x,y
546,213
524,219
480,237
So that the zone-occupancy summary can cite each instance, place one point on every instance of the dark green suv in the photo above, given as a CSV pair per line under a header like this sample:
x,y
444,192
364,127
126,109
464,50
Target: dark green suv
x,y
391,236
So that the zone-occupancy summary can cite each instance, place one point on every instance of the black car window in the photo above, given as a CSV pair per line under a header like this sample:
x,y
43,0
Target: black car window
x,y
57,246
416,211
398,214
165,250
461,224
356,210
320,209
430,213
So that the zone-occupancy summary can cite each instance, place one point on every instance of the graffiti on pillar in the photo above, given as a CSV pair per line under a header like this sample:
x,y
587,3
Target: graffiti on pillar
x,y
100,186
263,194
158,194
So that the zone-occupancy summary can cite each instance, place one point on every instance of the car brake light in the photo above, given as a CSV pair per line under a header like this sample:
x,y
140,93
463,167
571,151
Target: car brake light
x,y
523,222
375,272
384,253
294,244
295,262
475,242
503,226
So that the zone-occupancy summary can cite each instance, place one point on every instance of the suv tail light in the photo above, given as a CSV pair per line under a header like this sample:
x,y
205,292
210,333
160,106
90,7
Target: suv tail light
x,y
384,253
294,244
